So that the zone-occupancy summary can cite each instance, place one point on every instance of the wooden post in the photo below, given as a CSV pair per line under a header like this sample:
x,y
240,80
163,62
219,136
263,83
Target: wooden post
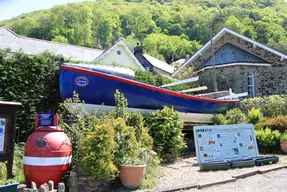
x,y
7,134
213,60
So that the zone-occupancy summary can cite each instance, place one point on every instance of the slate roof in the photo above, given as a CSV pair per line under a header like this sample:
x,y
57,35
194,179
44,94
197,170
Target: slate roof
x,y
159,64
9,39
229,53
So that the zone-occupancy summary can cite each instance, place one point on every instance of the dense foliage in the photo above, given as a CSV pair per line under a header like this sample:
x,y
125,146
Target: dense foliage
x,y
97,151
271,106
172,28
268,140
158,80
102,143
32,80
276,123
254,116
235,116
269,130
166,130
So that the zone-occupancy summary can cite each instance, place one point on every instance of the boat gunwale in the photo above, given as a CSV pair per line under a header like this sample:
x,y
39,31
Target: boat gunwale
x,y
144,85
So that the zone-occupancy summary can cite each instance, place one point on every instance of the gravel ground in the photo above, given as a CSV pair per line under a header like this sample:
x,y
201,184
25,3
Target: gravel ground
x,y
186,171
274,181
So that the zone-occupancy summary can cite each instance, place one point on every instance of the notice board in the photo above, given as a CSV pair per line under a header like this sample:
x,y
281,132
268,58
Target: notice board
x,y
224,142
2,133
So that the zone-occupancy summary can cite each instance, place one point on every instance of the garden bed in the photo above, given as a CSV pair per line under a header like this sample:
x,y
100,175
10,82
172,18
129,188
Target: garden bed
x,y
186,170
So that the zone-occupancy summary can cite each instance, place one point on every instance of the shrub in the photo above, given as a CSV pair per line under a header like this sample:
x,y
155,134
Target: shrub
x,y
271,106
125,138
219,120
235,116
97,152
74,125
157,80
254,116
129,143
284,136
166,131
136,120
268,140
277,123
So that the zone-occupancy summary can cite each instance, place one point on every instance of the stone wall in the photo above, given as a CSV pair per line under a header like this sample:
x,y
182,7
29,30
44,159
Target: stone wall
x,y
240,43
80,183
268,80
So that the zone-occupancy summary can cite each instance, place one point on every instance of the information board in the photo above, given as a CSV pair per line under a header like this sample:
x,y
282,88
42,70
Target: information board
x,y
224,142
45,119
2,133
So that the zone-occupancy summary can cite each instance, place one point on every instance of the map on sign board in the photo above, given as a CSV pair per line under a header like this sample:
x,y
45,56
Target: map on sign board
x,y
224,142
2,133
45,119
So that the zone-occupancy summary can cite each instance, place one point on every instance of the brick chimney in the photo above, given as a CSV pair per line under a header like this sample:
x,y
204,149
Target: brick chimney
x,y
139,48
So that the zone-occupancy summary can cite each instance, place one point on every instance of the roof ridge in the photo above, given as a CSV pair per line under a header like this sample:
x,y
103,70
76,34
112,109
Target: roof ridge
x,y
220,34
52,42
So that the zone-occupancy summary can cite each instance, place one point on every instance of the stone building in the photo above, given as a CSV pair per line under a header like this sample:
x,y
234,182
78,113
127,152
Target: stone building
x,y
240,64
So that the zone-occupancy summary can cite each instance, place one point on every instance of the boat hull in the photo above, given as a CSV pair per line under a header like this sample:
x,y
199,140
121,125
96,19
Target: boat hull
x,y
96,89
99,109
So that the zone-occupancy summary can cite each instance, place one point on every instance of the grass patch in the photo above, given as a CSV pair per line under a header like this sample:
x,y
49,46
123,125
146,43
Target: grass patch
x,y
18,167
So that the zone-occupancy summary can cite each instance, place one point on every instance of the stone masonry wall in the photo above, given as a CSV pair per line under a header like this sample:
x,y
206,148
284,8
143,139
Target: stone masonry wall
x,y
238,42
268,80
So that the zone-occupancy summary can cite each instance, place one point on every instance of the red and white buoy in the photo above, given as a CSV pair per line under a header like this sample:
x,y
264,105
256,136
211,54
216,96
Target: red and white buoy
x,y
48,152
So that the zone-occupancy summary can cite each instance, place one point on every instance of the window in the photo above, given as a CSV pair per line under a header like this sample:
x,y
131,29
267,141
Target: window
x,y
118,52
251,84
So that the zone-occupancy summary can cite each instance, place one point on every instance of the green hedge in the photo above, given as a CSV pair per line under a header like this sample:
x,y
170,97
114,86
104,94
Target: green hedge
x,y
277,123
32,80
271,106
268,141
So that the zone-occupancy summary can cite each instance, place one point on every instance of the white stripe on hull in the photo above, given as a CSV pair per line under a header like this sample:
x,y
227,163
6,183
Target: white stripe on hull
x,y
47,161
186,117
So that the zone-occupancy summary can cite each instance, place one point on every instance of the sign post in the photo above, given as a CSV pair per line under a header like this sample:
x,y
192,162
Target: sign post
x,y
225,142
8,112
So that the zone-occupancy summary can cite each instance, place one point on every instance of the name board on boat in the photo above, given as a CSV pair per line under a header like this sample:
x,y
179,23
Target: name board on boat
x,y
224,142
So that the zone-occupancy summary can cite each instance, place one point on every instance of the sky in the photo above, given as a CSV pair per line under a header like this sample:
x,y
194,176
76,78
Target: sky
x,y
12,8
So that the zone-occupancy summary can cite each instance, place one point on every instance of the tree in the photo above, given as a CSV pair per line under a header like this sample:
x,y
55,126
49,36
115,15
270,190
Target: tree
x,y
234,24
171,47
106,29
263,31
60,39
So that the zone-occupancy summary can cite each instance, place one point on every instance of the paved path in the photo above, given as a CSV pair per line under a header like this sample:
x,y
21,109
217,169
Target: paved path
x,y
275,181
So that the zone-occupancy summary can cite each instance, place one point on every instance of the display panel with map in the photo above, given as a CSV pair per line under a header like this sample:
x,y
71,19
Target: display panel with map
x,y
2,133
225,142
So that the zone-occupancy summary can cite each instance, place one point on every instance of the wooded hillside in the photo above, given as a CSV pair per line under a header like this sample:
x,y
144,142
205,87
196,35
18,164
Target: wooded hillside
x,y
168,28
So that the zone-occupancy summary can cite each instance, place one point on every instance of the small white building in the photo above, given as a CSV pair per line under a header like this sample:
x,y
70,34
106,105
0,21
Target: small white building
x,y
119,54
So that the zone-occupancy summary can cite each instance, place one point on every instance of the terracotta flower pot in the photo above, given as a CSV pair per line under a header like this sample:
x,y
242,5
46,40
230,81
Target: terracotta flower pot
x,y
131,176
283,145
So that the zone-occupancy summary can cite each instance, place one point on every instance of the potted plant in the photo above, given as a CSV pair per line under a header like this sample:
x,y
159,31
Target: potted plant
x,y
129,154
283,142
132,171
